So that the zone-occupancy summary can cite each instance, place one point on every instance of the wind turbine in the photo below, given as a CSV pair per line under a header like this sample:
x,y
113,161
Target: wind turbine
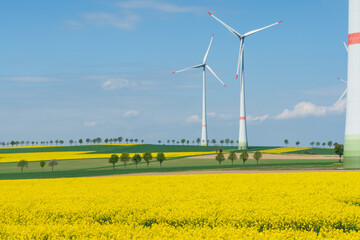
x,y
203,66
242,130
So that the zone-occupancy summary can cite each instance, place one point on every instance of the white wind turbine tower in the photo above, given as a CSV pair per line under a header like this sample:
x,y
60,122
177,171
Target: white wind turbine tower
x,y
203,66
243,144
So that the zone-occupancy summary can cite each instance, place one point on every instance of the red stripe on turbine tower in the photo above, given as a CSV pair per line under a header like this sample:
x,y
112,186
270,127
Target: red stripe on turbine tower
x,y
354,38
204,125
242,118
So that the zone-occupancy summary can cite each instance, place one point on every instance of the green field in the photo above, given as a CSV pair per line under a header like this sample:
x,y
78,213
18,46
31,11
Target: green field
x,y
139,148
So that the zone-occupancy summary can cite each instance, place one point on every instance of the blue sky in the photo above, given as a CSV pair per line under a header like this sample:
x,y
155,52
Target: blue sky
x,y
86,68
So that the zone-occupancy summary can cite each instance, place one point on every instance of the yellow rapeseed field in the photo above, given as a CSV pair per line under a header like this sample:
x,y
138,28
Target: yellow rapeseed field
x,y
284,149
65,155
229,206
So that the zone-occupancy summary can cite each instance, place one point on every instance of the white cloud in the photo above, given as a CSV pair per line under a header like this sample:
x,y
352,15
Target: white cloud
x,y
131,113
157,5
101,19
193,119
257,119
211,114
117,83
90,124
305,109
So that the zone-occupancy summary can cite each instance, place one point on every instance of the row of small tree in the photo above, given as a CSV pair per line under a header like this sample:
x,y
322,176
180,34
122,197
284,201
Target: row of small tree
x,y
244,156
329,143
24,164
97,140
137,158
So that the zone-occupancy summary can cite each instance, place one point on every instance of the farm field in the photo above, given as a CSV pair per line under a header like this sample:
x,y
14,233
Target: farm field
x,y
96,163
229,206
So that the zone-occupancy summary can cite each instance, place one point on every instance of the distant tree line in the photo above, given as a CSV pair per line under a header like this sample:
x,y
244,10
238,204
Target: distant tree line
x,y
80,141
313,143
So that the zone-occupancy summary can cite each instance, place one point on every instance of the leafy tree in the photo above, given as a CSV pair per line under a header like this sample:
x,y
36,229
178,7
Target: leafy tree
x,y
32,143
213,141
142,140
324,144
297,143
168,142
28,142
136,159
317,144
183,141
21,164
111,140
12,143
131,140
221,142
312,144
173,141
216,148
159,142
80,141
127,141
147,158
198,141
330,144
232,142
232,157
52,164
257,156
160,157
286,142
227,141
136,140
339,150
42,164
113,160
187,142
125,157
244,156
220,157
71,142
106,141
177,142
88,140
120,139
115,140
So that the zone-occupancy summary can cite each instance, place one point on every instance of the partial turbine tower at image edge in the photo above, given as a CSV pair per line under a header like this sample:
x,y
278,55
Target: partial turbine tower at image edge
x,y
204,141
243,143
352,124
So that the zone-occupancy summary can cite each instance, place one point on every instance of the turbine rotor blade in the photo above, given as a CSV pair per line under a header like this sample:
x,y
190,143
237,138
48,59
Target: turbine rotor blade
x,y
346,47
260,29
215,75
342,95
207,52
227,26
241,52
189,68
342,80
